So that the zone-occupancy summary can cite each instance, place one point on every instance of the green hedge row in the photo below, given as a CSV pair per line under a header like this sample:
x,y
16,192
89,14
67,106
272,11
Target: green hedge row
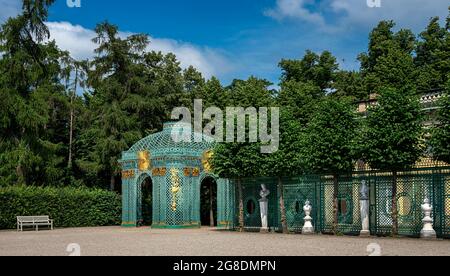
x,y
68,207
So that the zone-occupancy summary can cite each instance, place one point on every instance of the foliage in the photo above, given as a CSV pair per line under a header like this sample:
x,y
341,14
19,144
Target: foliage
x,y
391,139
327,143
69,207
433,56
440,140
320,69
287,161
33,108
237,160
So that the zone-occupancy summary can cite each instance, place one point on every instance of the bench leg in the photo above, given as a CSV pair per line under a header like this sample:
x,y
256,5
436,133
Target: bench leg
x,y
37,228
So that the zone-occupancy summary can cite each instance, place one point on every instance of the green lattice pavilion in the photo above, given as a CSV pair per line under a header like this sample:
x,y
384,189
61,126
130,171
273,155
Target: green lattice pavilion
x,y
176,172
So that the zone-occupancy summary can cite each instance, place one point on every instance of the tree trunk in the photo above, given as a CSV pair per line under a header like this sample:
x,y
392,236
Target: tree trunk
x,y
19,169
241,207
112,185
282,207
211,208
20,174
335,203
72,96
394,205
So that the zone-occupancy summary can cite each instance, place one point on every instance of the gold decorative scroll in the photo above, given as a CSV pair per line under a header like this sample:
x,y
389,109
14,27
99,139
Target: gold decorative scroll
x,y
175,188
159,172
187,172
144,160
206,161
195,172
127,174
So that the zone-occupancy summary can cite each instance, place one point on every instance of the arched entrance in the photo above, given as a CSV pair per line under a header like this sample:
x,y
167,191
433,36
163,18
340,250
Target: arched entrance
x,y
145,201
208,202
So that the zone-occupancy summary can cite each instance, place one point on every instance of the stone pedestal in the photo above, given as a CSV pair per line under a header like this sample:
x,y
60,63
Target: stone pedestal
x,y
264,207
308,228
428,230
364,204
365,232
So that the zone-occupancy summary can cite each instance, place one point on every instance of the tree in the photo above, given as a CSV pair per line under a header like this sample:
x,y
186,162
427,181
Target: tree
x,y
77,70
215,94
237,161
240,160
327,143
33,109
287,160
391,139
300,98
319,69
349,84
440,139
117,82
433,56
389,60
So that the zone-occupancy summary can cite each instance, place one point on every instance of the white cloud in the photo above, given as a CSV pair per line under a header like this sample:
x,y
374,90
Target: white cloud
x,y
208,61
344,14
295,9
78,41
407,13
9,8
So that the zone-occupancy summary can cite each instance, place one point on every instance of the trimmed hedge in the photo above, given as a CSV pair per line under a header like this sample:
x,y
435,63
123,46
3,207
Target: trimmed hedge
x,y
68,207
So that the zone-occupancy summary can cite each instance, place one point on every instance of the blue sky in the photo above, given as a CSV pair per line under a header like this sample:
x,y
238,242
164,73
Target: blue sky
x,y
237,38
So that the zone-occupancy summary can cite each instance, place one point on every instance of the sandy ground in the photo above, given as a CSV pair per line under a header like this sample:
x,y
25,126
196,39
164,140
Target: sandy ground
x,y
117,241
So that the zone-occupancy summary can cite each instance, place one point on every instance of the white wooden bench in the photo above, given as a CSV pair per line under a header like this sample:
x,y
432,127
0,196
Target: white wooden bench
x,y
34,221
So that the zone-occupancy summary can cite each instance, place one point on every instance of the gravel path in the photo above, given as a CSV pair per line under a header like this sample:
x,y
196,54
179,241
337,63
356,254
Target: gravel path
x,y
118,241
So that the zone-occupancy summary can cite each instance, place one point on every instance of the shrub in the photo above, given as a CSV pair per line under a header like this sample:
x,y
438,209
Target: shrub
x,y
68,207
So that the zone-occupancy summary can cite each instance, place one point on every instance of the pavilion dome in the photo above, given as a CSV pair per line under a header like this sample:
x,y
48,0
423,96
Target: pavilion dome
x,y
163,143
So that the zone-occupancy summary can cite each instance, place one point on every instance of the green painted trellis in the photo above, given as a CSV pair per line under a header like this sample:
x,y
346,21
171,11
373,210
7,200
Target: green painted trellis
x,y
176,170
413,186
296,191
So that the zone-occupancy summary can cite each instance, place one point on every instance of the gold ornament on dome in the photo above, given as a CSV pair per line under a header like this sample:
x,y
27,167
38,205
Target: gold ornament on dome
x,y
144,161
206,161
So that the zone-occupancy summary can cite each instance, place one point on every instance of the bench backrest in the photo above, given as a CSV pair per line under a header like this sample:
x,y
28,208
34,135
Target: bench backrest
x,y
33,219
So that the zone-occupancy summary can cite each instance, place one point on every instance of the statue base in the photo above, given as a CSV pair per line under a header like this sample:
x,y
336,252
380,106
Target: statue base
x,y
308,231
428,235
364,234
264,230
